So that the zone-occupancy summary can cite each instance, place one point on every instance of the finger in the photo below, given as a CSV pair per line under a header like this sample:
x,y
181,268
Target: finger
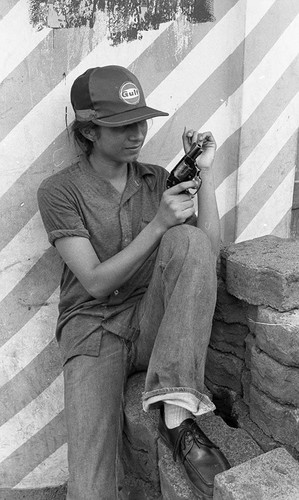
x,y
182,186
186,140
207,139
189,137
188,213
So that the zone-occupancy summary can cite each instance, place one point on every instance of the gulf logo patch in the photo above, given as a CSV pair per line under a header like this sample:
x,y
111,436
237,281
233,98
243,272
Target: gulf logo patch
x,y
129,93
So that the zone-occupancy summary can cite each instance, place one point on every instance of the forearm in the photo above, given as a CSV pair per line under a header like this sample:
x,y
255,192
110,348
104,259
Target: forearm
x,y
208,216
111,274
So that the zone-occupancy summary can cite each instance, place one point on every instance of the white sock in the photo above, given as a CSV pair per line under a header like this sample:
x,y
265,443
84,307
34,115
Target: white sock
x,y
175,415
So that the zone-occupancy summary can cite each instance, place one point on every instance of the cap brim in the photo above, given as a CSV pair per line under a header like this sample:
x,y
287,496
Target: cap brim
x,y
132,116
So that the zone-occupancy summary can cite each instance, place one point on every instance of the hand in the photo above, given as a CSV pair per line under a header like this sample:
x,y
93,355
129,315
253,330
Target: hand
x,y
207,142
176,206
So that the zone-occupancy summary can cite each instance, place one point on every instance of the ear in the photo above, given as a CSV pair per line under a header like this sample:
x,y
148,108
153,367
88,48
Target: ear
x,y
90,133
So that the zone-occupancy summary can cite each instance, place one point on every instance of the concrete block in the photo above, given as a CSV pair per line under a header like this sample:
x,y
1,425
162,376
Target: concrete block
x,y
246,383
229,337
228,308
236,444
224,369
277,333
279,381
272,475
264,271
250,341
278,421
240,411
53,493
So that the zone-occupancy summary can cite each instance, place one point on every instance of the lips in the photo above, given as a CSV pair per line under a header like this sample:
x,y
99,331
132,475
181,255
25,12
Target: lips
x,y
134,148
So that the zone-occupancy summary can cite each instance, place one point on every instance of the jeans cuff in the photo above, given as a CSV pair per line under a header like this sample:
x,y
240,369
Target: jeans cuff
x,y
195,402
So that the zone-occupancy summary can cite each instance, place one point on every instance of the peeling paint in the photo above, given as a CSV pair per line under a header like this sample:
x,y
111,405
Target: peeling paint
x,y
125,19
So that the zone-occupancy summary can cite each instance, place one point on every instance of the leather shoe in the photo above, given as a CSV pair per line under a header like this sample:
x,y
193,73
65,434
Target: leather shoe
x,y
201,459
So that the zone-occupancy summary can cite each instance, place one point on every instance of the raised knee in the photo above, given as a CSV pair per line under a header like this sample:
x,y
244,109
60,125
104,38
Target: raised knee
x,y
187,239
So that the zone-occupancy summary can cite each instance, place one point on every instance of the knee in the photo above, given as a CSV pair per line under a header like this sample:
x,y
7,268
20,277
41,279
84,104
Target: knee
x,y
187,240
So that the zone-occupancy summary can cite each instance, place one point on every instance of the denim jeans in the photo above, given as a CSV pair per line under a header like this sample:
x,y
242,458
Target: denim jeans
x,y
175,317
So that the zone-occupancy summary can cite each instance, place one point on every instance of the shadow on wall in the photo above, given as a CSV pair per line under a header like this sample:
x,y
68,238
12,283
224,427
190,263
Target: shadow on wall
x,y
125,19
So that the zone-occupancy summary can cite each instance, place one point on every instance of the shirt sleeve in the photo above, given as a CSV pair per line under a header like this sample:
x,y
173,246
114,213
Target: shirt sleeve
x,y
60,214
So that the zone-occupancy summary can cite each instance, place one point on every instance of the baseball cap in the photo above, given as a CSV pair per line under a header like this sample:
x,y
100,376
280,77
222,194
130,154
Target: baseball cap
x,y
110,96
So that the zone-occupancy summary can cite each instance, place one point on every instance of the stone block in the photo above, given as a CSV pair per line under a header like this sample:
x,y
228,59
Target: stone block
x,y
250,341
228,308
277,333
272,475
279,381
278,421
240,412
246,383
264,271
229,337
236,444
51,493
224,369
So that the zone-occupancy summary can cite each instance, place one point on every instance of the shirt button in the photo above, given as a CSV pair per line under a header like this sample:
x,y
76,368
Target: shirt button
x,y
116,292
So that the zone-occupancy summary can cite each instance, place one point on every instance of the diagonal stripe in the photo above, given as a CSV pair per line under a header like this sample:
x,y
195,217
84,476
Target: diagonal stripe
x,y
19,203
15,22
267,149
20,255
5,7
30,382
51,472
29,295
264,152
29,341
35,450
226,120
31,419
267,183
265,220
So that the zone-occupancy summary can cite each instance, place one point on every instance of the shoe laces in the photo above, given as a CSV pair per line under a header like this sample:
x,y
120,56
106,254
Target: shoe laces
x,y
189,434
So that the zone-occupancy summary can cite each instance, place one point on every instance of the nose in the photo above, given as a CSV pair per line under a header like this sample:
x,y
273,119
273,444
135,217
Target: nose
x,y
138,130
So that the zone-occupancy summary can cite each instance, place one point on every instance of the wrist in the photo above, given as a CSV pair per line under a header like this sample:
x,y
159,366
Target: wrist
x,y
157,228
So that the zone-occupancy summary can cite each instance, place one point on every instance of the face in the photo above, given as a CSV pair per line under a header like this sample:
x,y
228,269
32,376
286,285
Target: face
x,y
120,145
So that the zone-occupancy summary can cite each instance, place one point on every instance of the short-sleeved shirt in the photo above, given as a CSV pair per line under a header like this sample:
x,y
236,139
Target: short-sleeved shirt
x,y
77,201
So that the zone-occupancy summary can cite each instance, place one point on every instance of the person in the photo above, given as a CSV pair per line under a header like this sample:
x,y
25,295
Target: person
x,y
138,286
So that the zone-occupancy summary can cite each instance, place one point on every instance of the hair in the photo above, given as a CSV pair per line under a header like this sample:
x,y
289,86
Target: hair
x,y
85,144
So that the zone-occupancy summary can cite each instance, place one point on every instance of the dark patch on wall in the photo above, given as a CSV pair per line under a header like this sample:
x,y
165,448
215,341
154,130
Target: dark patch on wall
x,y
125,19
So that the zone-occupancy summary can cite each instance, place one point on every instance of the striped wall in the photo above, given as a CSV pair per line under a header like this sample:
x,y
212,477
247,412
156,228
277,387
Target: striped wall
x,y
236,76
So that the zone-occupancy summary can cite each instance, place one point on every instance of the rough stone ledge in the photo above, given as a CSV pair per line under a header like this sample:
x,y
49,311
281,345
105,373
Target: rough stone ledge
x,y
264,271
51,493
274,474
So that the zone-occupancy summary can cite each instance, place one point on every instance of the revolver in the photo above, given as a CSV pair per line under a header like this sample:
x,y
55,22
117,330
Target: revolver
x,y
186,169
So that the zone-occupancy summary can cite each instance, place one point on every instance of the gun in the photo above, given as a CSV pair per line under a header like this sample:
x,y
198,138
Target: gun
x,y
186,169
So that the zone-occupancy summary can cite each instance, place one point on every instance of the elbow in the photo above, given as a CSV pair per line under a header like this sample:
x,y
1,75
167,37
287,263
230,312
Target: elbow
x,y
97,293
94,289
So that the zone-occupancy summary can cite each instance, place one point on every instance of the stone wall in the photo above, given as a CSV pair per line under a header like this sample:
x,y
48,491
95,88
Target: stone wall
x,y
253,358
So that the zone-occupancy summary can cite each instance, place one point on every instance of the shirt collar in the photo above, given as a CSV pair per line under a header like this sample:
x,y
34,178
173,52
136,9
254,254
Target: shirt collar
x,y
147,172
